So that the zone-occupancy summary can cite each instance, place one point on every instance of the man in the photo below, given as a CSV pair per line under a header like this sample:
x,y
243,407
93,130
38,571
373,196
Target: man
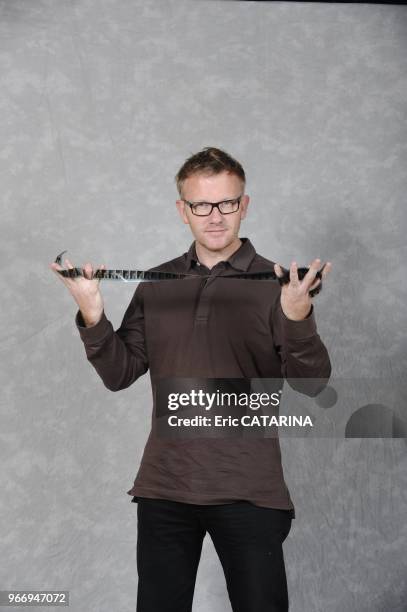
x,y
209,326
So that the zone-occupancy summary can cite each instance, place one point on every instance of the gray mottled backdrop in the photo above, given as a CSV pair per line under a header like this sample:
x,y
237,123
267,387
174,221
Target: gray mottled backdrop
x,y
100,103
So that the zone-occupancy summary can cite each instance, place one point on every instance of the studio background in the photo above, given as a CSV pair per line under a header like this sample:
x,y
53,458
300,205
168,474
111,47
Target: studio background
x,y
101,102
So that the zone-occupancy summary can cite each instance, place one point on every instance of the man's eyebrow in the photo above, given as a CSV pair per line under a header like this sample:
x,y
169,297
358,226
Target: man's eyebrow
x,y
222,200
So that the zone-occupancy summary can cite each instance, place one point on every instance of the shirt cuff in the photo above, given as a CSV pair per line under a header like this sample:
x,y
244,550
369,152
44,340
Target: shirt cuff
x,y
95,333
299,330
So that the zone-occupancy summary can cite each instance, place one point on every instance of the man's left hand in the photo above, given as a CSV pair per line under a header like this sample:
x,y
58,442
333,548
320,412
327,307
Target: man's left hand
x,y
295,299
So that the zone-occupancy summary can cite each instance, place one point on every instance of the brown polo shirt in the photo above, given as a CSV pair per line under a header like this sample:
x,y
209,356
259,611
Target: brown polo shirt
x,y
208,328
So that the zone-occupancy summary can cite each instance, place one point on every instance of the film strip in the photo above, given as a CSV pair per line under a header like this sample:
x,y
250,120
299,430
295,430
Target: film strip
x,y
156,275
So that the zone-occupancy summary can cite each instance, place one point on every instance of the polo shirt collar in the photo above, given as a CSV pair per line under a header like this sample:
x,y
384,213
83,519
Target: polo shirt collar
x,y
240,259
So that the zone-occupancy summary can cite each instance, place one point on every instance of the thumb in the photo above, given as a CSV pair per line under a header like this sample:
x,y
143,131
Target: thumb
x,y
278,270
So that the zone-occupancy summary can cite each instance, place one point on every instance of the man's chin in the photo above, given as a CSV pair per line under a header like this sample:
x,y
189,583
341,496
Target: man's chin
x,y
218,240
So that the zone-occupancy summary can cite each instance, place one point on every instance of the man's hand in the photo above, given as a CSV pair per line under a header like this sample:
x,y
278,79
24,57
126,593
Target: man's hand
x,y
85,291
295,299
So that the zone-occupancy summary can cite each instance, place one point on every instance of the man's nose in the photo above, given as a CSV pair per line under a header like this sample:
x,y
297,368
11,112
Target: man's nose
x,y
216,216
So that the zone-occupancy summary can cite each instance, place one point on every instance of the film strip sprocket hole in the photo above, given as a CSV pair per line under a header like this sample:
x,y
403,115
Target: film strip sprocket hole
x,y
157,275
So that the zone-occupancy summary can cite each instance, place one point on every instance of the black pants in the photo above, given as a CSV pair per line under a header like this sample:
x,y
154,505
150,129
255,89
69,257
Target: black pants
x,y
247,538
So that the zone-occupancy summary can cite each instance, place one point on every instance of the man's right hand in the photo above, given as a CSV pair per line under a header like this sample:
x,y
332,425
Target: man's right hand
x,y
85,291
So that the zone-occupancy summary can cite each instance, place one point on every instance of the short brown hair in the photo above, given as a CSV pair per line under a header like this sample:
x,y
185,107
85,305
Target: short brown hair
x,y
208,161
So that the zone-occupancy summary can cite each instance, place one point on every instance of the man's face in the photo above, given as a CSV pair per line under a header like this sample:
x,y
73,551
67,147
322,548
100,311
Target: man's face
x,y
216,231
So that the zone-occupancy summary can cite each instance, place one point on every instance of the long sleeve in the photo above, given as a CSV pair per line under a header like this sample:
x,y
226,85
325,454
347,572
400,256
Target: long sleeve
x,y
120,356
303,354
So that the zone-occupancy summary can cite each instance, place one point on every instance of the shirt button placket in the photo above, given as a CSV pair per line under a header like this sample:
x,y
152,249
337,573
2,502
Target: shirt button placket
x,y
202,312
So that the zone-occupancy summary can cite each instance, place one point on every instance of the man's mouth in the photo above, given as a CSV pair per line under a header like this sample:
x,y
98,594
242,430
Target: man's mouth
x,y
216,231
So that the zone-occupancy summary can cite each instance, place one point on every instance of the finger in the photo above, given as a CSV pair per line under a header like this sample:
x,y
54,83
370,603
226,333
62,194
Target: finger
x,y
68,263
57,268
326,268
294,274
315,284
101,267
277,269
88,271
312,272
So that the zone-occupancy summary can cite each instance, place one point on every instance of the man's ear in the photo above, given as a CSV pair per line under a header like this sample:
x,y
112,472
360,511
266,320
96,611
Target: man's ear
x,y
244,203
181,207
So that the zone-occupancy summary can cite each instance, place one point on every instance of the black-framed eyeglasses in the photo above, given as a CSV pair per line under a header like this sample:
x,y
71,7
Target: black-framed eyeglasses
x,y
204,209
